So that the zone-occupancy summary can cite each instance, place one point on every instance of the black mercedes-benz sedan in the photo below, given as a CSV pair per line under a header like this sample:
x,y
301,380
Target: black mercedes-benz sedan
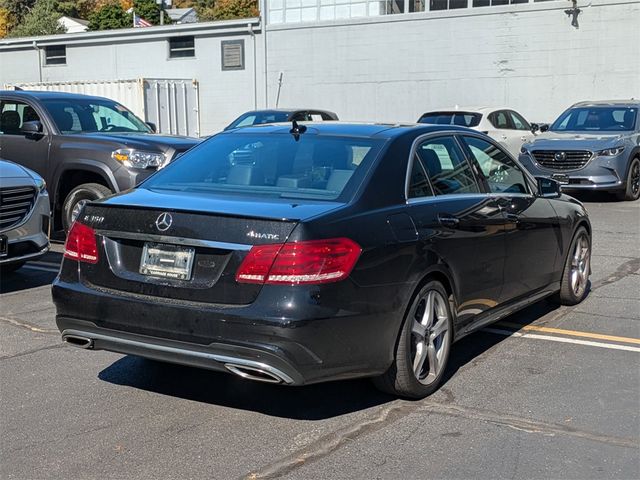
x,y
297,254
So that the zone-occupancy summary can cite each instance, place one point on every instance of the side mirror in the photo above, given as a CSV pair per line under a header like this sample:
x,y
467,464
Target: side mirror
x,y
543,127
534,127
152,126
32,129
548,187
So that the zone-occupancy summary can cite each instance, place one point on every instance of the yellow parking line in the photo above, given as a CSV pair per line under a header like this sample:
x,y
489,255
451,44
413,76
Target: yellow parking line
x,y
572,333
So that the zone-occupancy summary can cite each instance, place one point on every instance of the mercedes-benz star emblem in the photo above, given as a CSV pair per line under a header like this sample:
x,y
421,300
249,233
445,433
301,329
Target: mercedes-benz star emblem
x,y
560,156
164,221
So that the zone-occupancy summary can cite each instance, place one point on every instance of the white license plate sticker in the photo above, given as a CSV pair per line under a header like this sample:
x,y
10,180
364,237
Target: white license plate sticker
x,y
167,261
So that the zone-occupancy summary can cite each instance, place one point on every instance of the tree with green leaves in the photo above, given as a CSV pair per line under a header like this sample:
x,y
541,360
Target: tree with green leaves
x,y
231,9
149,10
110,16
42,19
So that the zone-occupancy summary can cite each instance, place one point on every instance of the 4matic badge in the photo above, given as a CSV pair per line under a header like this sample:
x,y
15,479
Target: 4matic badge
x,y
263,236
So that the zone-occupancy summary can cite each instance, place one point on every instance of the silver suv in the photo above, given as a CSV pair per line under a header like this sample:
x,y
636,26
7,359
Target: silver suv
x,y
591,146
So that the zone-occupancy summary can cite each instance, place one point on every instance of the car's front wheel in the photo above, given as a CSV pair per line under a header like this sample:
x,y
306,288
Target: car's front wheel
x,y
422,352
632,184
77,198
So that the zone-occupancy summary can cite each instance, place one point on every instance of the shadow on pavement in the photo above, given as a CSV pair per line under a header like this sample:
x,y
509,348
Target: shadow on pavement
x,y
313,402
34,274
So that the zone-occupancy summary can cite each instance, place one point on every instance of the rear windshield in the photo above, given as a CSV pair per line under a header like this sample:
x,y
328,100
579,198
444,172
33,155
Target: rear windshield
x,y
273,164
597,119
463,119
259,118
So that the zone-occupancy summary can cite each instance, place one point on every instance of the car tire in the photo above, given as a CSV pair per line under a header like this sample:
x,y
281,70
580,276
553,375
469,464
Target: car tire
x,y
11,267
428,322
577,268
631,191
78,197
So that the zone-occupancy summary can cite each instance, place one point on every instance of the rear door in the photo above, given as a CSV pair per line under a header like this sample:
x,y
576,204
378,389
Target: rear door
x,y
532,227
458,223
31,151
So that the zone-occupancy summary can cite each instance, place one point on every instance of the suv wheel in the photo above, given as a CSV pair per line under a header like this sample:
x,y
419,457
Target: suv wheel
x,y
423,348
77,198
632,186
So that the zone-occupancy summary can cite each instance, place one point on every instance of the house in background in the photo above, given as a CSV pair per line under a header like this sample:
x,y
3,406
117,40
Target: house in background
x,y
74,25
182,15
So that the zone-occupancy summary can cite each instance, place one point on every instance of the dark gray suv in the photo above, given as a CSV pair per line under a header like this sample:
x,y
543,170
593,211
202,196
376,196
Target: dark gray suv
x,y
84,147
591,146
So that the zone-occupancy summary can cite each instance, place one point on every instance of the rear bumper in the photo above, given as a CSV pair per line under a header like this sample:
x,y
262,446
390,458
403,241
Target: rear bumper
x,y
598,174
314,345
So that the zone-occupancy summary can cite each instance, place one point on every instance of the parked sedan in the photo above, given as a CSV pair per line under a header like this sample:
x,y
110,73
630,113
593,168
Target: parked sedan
x,y
334,251
260,117
504,125
591,146
24,216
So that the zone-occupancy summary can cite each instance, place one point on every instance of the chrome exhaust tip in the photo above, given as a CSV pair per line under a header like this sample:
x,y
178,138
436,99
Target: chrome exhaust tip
x,y
252,373
77,341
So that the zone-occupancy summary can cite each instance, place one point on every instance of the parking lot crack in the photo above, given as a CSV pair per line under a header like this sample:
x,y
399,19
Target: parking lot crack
x,y
29,352
27,326
630,267
527,425
330,443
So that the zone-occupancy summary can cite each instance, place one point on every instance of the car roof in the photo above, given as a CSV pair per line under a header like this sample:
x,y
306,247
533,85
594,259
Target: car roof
x,y
45,94
351,129
466,109
605,103
287,110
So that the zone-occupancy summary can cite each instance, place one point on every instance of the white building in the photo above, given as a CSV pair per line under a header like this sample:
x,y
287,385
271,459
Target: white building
x,y
364,61
182,15
74,25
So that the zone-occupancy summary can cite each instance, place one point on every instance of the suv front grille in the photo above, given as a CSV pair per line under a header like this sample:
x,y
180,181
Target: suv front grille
x,y
562,159
15,205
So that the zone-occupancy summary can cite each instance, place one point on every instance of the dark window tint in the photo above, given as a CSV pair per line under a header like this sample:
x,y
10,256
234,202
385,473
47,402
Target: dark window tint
x,y
464,119
55,55
13,114
610,119
181,47
447,4
232,55
519,123
274,165
448,169
500,171
500,120
418,181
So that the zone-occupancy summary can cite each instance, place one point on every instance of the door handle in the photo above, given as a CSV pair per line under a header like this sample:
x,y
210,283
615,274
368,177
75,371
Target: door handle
x,y
448,220
512,217
504,137
523,138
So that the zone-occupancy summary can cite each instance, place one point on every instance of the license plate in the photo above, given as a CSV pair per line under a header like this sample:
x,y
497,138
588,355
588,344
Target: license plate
x,y
4,246
560,178
167,261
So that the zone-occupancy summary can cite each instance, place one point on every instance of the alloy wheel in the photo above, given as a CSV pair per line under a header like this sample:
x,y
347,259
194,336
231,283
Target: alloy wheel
x,y
635,178
77,208
430,336
580,265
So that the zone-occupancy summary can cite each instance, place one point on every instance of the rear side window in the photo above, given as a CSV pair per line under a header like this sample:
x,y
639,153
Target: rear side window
x,y
463,119
276,165
13,114
448,170
500,120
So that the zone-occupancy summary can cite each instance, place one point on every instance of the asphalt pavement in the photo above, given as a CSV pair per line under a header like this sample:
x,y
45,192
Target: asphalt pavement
x,y
550,392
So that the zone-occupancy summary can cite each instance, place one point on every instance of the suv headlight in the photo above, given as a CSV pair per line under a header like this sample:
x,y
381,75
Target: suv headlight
x,y
139,159
610,152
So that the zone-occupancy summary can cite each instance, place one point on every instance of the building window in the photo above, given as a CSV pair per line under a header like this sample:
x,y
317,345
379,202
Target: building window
x,y
55,55
233,55
447,4
181,47
486,3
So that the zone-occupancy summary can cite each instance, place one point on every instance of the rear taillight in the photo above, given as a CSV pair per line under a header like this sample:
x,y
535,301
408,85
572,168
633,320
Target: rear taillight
x,y
310,262
81,244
